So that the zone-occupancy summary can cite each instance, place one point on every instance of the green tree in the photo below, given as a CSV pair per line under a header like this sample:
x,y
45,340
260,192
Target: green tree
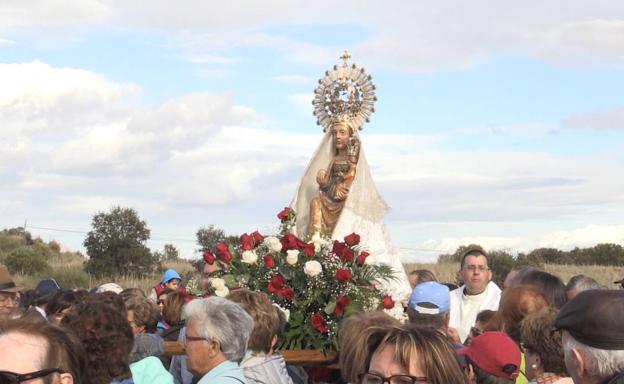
x,y
208,237
27,262
457,255
169,253
116,245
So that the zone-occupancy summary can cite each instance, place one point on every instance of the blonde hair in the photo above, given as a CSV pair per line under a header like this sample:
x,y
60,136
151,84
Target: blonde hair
x,y
433,350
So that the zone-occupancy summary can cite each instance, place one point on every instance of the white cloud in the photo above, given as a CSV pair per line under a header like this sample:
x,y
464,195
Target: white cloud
x,y
601,120
587,236
7,42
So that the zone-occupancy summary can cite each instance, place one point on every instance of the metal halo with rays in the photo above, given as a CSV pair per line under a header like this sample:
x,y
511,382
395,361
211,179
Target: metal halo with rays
x,y
345,93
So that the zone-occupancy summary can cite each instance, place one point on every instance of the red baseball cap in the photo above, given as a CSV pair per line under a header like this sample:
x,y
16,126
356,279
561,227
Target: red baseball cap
x,y
492,352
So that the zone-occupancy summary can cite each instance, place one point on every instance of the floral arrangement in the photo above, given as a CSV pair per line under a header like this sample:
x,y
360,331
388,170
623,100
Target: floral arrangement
x,y
315,282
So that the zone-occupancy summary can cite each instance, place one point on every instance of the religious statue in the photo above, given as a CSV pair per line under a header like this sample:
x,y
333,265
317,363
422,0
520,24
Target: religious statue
x,y
337,195
335,181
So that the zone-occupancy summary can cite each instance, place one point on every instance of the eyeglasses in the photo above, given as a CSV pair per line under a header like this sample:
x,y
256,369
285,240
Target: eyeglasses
x,y
8,299
7,377
373,378
474,268
194,338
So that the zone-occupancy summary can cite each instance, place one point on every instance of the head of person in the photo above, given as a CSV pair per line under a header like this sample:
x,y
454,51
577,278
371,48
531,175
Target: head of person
x,y
542,346
130,293
492,357
106,337
475,271
550,285
217,330
109,287
171,279
580,283
429,305
593,336
60,304
172,305
359,336
266,319
516,274
415,352
40,351
420,276
517,303
8,293
481,324
142,315
44,291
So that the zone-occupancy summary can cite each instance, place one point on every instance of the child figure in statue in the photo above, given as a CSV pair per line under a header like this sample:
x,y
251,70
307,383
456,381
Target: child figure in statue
x,y
335,181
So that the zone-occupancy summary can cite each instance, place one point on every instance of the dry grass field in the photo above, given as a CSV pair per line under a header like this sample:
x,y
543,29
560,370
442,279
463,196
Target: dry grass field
x,y
605,275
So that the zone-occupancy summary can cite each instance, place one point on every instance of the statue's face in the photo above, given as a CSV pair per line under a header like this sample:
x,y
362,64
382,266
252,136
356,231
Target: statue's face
x,y
341,135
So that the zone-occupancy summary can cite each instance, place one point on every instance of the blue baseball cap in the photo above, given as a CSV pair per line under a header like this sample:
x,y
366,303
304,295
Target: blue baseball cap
x,y
430,298
169,275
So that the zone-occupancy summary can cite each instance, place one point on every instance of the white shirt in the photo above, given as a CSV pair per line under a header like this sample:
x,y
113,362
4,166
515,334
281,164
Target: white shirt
x,y
465,308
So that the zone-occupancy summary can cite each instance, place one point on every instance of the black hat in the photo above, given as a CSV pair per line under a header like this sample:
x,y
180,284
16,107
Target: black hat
x,y
595,318
46,288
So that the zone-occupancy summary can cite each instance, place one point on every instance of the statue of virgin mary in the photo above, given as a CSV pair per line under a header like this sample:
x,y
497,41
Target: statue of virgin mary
x,y
337,195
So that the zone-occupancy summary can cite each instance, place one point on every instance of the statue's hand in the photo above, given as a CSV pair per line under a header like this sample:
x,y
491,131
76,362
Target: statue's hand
x,y
321,177
353,147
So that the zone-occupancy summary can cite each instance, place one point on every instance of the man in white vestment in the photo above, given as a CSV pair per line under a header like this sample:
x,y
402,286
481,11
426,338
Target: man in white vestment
x,y
477,294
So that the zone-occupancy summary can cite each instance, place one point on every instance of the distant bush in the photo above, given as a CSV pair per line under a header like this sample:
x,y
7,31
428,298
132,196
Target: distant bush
x,y
26,262
9,243
72,277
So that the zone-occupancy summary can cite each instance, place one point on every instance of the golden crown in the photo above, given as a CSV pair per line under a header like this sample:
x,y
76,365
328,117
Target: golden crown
x,y
346,94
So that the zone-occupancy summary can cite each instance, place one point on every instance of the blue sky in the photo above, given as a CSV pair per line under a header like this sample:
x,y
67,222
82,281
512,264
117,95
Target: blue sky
x,y
497,124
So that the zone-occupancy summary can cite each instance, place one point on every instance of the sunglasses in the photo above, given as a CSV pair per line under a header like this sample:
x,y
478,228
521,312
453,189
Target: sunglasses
x,y
7,377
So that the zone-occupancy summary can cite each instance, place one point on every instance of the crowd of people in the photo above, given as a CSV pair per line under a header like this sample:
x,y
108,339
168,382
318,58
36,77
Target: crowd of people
x,y
535,329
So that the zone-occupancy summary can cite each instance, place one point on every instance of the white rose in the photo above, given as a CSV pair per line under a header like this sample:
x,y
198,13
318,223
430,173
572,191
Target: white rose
x,y
249,257
222,292
292,255
370,260
313,268
217,283
318,241
273,243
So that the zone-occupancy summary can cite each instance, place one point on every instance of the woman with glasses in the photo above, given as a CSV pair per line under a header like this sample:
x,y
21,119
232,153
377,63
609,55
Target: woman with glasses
x,y
411,355
542,348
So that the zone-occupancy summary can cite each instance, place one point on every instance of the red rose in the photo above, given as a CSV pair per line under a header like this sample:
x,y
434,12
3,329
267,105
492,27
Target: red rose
x,y
209,257
276,284
361,258
269,261
388,303
341,303
288,293
290,241
283,215
224,252
309,250
257,238
247,242
319,323
338,248
352,239
343,275
347,255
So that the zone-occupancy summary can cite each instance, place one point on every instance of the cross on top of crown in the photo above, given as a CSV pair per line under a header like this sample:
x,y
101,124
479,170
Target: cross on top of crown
x,y
345,57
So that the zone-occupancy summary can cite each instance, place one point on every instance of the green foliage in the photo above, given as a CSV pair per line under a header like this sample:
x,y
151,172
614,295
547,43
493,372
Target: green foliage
x,y
116,245
71,277
500,263
26,261
208,237
457,255
169,253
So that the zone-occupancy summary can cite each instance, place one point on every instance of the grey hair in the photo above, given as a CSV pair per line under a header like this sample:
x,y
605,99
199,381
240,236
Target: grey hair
x,y
222,320
599,363
582,283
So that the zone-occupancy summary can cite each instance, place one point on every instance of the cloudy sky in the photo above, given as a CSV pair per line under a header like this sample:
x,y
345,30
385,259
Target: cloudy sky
x,y
497,123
